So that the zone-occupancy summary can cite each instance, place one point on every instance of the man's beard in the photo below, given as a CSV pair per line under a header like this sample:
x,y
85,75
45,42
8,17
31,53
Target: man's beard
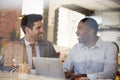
x,y
40,36
79,39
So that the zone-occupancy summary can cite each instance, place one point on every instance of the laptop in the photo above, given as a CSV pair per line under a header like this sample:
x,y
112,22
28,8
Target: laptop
x,y
49,67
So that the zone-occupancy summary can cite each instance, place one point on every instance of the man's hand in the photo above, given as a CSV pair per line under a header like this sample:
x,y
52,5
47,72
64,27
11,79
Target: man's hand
x,y
72,76
68,75
82,78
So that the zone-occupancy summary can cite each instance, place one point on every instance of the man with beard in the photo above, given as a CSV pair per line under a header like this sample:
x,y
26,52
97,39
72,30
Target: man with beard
x,y
32,26
91,58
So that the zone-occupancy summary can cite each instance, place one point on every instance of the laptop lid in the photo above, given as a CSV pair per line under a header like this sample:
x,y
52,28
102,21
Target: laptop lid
x,y
50,67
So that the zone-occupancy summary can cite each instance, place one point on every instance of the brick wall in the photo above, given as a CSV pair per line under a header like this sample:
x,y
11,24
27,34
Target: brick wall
x,y
9,22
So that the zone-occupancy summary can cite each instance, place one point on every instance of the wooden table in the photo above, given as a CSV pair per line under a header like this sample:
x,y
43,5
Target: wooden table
x,y
15,76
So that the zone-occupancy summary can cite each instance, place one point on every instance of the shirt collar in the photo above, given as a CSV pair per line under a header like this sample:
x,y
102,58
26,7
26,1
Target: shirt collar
x,y
98,44
27,43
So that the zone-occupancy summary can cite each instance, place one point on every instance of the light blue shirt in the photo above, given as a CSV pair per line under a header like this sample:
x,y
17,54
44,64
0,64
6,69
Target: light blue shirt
x,y
100,60
29,52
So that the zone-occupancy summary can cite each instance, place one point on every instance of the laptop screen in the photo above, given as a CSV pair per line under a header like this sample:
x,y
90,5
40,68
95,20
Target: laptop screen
x,y
50,67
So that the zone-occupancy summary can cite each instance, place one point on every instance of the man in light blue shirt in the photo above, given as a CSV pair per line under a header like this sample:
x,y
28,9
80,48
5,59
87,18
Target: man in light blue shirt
x,y
94,58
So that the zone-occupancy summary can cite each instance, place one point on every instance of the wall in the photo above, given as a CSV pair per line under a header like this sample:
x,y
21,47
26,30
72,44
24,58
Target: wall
x,y
53,5
8,23
111,18
110,26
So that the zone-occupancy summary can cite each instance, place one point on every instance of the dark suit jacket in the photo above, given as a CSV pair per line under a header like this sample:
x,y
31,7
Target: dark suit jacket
x,y
46,49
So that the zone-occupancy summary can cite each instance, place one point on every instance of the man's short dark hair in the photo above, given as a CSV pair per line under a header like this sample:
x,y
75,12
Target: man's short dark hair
x,y
92,22
28,20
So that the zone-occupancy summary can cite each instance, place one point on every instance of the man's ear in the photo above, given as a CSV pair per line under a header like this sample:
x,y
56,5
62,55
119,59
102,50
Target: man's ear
x,y
91,29
27,29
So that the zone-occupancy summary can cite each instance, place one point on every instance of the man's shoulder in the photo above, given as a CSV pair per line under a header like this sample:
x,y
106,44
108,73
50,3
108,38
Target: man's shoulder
x,y
108,44
44,42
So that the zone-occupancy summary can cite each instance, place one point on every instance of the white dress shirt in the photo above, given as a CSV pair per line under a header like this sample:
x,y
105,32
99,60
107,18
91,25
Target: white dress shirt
x,y
29,52
100,60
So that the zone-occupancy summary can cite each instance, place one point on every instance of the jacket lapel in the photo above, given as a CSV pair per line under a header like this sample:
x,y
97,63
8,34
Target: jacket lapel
x,y
41,48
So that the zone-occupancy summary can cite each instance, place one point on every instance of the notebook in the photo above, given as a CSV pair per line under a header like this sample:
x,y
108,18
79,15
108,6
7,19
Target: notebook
x,y
49,67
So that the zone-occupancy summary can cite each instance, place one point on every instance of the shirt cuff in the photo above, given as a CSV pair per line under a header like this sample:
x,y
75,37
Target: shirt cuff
x,y
92,76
